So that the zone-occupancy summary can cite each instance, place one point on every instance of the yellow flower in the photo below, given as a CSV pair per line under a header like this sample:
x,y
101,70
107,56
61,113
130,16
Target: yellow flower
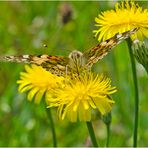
x,y
37,81
80,95
126,16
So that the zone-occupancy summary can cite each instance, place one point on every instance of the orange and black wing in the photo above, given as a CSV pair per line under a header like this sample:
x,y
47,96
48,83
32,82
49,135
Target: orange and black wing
x,y
55,64
99,51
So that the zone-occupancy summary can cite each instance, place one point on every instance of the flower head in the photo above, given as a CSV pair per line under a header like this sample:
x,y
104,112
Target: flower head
x,y
141,53
126,16
82,94
37,81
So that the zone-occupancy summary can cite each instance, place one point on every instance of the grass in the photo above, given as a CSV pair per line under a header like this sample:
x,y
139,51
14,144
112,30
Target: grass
x,y
24,28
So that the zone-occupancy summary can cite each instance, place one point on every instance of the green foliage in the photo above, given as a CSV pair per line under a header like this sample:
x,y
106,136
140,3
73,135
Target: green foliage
x,y
24,28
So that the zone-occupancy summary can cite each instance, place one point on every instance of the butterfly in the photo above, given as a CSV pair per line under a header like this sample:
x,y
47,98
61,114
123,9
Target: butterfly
x,y
76,61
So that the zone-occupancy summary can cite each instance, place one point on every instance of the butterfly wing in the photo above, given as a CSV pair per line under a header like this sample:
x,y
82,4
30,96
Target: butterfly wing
x,y
98,52
58,64
55,64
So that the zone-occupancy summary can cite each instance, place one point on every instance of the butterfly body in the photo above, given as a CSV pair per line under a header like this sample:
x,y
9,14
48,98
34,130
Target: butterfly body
x,y
76,61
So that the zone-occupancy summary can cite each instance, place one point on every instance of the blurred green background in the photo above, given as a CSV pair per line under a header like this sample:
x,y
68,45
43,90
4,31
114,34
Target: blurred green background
x,y
63,26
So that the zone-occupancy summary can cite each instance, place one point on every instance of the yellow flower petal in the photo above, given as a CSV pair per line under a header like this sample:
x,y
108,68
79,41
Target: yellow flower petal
x,y
126,16
32,93
80,95
39,95
37,81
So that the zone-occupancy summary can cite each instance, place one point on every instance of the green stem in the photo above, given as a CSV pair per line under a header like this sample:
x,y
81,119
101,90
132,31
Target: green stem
x,y
52,127
107,120
108,134
92,134
129,42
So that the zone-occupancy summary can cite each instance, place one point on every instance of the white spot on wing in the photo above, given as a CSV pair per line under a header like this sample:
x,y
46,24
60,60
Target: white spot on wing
x,y
23,60
103,43
25,56
11,57
119,35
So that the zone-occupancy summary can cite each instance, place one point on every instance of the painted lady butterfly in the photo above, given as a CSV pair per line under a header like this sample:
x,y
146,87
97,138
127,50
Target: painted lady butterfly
x,y
76,61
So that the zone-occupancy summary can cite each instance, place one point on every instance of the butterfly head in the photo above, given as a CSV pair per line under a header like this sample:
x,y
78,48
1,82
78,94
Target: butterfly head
x,y
75,55
77,60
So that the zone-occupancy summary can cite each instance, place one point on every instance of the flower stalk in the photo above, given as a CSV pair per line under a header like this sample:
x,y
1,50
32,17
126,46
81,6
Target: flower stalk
x,y
107,120
108,134
52,127
92,134
135,132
